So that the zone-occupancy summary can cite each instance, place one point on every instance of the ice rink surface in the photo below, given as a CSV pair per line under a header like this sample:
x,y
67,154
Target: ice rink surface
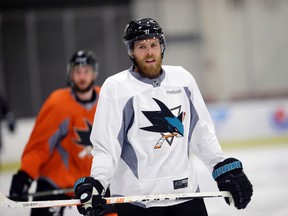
x,y
266,167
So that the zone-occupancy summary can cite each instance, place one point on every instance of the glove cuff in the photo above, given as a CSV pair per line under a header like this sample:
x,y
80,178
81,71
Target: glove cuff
x,y
227,166
90,180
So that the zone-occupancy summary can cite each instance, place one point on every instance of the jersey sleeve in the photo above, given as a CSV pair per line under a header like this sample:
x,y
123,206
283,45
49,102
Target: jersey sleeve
x,y
204,142
42,139
105,135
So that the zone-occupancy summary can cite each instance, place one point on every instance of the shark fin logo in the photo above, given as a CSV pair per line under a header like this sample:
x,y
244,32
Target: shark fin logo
x,y
84,139
165,123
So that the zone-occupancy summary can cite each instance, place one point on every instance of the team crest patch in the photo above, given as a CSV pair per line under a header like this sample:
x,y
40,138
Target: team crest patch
x,y
165,123
84,139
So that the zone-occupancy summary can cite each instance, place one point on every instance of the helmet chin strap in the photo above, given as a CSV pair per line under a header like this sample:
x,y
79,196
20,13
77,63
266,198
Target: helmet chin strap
x,y
134,62
130,53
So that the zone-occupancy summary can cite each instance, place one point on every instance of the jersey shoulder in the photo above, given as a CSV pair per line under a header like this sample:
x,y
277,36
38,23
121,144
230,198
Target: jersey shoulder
x,y
59,99
178,69
59,95
178,73
116,84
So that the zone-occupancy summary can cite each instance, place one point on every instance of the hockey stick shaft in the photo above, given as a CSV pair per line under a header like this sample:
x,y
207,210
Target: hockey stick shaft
x,y
162,197
52,192
7,203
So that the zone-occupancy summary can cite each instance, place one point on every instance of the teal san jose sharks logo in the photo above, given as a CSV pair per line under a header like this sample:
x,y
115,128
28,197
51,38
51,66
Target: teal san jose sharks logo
x,y
165,123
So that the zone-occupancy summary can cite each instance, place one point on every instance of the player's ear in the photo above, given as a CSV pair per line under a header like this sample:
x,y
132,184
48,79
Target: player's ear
x,y
131,54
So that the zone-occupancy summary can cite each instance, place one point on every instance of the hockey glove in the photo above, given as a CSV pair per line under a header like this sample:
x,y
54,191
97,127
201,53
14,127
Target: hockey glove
x,y
230,177
20,185
90,192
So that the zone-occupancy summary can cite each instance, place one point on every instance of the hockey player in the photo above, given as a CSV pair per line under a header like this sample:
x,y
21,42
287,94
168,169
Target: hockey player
x,y
58,150
7,114
151,120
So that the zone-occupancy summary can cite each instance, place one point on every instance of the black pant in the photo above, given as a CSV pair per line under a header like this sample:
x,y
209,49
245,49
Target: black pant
x,y
195,207
43,185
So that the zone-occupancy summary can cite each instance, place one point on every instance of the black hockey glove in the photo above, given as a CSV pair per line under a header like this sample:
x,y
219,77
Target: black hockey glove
x,y
90,192
20,185
230,177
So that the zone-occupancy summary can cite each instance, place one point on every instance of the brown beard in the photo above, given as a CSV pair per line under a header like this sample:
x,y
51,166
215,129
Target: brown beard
x,y
148,71
77,89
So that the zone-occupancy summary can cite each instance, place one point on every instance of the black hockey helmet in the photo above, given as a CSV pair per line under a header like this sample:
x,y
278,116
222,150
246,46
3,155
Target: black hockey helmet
x,y
82,58
141,29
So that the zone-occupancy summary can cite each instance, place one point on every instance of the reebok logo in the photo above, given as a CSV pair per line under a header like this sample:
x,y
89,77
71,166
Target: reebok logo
x,y
178,91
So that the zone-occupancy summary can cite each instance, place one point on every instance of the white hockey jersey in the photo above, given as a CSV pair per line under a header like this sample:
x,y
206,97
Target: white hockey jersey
x,y
145,132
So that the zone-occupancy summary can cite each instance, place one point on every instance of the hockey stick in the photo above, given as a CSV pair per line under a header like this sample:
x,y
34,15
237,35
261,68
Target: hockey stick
x,y
52,192
49,193
7,203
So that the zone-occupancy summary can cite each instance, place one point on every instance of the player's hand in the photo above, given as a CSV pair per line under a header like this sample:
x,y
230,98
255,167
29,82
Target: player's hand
x,y
20,185
230,177
90,192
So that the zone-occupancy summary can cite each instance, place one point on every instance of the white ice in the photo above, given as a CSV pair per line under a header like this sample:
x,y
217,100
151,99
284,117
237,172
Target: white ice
x,y
267,168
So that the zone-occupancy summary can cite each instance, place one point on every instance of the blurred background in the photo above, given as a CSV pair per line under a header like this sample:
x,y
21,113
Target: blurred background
x,y
237,50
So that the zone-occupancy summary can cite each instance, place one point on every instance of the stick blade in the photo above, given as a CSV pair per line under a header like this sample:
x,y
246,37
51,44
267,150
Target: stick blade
x,y
8,203
5,202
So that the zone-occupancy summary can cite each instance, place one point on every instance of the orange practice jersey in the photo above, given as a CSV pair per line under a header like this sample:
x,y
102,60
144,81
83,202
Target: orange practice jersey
x,y
59,147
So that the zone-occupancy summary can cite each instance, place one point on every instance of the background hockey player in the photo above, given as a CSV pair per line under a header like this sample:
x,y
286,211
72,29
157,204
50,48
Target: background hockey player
x,y
151,120
58,150
7,115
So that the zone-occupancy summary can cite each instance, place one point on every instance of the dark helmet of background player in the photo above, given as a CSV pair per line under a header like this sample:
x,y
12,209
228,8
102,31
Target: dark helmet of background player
x,y
82,58
141,29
